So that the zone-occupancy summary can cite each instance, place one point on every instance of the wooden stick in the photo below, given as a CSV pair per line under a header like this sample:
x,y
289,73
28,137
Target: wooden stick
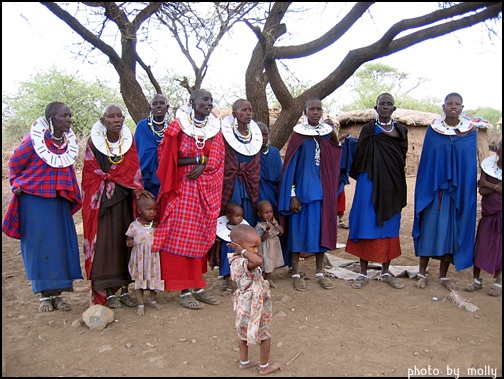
x,y
297,355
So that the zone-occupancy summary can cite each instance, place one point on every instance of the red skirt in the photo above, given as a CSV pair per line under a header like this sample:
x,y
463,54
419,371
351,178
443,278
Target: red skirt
x,y
341,203
180,273
377,250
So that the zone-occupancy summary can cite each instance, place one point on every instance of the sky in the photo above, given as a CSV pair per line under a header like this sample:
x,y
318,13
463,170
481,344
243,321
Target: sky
x,y
467,62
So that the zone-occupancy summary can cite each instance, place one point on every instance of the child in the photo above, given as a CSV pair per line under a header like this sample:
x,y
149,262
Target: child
x,y
270,247
488,247
233,217
144,264
252,299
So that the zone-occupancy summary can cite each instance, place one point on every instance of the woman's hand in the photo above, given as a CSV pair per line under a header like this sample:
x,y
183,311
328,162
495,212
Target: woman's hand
x,y
295,205
140,192
195,172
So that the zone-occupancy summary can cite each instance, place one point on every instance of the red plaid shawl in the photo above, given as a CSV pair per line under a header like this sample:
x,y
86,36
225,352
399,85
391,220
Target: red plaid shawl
x,y
94,184
188,208
250,172
30,173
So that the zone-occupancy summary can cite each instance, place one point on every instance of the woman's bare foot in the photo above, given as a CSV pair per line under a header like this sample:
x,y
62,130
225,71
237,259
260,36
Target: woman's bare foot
x,y
154,304
422,281
248,365
140,310
269,369
272,284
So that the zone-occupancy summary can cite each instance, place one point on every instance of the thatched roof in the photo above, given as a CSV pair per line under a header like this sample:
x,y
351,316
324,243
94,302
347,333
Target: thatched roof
x,y
406,116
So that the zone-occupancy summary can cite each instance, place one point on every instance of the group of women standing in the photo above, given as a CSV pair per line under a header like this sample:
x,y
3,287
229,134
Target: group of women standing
x,y
194,167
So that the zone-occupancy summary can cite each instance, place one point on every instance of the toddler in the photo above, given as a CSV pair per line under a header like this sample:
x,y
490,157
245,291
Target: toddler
x,y
226,223
270,247
144,264
252,299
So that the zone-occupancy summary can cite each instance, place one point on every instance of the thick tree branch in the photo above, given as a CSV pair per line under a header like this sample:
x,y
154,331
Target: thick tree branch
x,y
84,33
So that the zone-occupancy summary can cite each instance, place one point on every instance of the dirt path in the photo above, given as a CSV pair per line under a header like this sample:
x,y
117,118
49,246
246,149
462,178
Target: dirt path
x,y
374,331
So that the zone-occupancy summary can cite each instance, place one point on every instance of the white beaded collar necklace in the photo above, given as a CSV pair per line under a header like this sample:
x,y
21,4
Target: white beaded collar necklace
x,y
67,158
441,127
309,130
199,133
99,138
248,149
489,166
223,231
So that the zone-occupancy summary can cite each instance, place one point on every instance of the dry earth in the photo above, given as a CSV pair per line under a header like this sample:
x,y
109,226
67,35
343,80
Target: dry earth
x,y
374,331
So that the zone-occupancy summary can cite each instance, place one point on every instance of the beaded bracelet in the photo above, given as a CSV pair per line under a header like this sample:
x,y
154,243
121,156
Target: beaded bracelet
x,y
202,159
198,158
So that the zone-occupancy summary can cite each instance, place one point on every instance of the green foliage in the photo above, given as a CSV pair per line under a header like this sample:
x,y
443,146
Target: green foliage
x,y
376,78
492,115
85,99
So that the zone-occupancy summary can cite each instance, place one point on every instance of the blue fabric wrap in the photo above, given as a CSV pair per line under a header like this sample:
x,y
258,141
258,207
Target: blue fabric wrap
x,y
304,227
240,194
447,163
49,244
347,155
147,143
225,267
271,172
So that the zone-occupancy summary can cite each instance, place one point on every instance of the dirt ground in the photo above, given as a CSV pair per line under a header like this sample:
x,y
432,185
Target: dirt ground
x,y
374,331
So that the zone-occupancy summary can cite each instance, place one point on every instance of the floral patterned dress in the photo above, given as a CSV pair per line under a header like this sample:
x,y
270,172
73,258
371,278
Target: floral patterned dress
x,y
252,302
144,264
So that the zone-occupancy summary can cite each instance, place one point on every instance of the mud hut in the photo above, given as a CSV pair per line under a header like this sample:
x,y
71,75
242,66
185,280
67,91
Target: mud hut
x,y
417,123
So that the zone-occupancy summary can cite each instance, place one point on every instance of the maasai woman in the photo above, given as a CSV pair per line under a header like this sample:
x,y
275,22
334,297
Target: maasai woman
x,y
148,134
191,170
308,195
380,193
445,195
45,195
110,176
243,140
488,248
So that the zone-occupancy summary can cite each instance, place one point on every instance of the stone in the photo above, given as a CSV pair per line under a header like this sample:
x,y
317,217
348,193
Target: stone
x,y
97,317
129,344
285,299
77,323
281,314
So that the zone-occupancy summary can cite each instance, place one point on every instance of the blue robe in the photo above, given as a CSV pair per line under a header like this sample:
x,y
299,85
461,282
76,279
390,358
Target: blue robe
x,y
347,154
240,195
304,228
271,173
147,143
445,222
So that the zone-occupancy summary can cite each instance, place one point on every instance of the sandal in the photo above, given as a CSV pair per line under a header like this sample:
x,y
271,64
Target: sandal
x,y
127,300
474,286
392,280
447,283
422,282
60,304
227,292
496,289
206,297
326,283
189,302
113,302
299,284
45,305
360,282
343,225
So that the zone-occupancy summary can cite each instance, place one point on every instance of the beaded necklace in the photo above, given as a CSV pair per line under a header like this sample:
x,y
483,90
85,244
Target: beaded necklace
x,y
241,138
452,127
159,133
113,158
143,226
265,152
391,122
63,145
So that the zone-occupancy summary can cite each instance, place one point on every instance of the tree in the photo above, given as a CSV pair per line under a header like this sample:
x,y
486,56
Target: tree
x,y
491,115
263,68
85,99
373,79
125,63
204,28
